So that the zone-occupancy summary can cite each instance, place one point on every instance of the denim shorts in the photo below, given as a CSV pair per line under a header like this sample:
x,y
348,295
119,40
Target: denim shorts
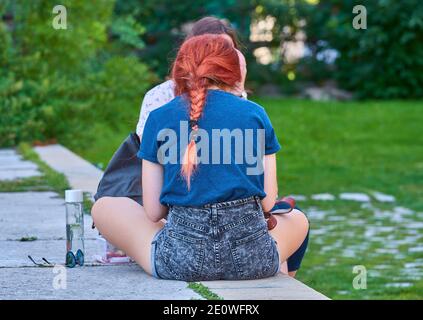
x,y
222,241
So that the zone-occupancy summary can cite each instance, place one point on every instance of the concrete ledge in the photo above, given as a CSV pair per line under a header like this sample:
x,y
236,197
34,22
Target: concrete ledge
x,y
40,214
80,173
83,175
279,287
125,282
12,166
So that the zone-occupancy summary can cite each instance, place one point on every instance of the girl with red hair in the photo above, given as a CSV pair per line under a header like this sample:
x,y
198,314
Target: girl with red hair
x,y
197,153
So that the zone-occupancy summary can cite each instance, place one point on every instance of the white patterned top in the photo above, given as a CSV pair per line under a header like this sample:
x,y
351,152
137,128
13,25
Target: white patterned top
x,y
153,99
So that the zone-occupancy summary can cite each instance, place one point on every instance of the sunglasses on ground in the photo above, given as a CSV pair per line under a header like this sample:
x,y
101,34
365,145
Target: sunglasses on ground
x,y
71,260
46,263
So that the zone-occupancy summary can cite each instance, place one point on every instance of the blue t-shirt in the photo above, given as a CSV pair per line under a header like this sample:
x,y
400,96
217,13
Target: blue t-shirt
x,y
234,135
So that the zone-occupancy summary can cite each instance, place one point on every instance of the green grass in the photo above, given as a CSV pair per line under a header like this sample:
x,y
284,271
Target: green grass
x,y
343,147
203,291
101,141
353,147
28,239
360,146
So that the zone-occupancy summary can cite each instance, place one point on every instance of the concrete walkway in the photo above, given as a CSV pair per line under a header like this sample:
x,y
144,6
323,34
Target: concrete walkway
x,y
79,172
13,167
42,214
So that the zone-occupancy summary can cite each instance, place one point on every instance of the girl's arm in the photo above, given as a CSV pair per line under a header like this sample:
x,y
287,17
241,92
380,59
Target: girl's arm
x,y
152,179
270,182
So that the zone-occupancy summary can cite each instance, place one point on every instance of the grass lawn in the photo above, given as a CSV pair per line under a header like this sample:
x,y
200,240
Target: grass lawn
x,y
344,147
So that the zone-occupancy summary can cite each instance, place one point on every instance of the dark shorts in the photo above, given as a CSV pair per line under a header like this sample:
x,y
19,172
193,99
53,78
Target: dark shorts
x,y
223,241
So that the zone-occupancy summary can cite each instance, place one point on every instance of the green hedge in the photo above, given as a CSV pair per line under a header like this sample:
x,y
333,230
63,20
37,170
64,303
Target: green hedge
x,y
383,61
56,83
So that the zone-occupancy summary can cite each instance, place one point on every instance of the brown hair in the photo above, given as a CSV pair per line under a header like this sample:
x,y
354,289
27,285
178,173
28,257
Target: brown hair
x,y
214,25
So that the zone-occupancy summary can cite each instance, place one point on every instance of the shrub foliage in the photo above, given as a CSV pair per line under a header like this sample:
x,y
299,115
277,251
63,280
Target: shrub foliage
x,y
55,84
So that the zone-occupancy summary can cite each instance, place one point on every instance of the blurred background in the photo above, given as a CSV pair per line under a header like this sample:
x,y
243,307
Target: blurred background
x,y
346,104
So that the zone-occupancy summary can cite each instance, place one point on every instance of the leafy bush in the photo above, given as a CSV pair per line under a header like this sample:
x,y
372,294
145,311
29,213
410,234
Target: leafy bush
x,y
383,61
55,84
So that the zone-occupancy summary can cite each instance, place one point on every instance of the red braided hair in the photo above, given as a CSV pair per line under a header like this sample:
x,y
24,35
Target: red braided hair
x,y
202,61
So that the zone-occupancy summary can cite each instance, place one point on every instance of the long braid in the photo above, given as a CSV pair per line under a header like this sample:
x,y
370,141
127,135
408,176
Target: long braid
x,y
198,99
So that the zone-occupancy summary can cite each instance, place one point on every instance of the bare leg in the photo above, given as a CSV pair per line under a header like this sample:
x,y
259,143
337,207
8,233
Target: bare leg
x,y
289,234
284,267
123,223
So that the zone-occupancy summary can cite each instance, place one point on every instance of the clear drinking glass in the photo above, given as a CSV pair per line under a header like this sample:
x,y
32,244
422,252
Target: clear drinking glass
x,y
74,221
